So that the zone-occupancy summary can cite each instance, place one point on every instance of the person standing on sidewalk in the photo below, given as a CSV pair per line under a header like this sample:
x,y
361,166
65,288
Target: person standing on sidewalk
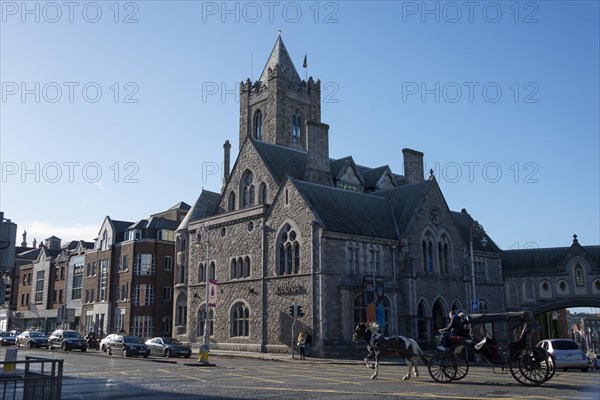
x,y
308,343
302,344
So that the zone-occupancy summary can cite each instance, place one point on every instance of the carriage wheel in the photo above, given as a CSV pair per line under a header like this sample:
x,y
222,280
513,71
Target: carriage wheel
x,y
461,366
442,367
531,366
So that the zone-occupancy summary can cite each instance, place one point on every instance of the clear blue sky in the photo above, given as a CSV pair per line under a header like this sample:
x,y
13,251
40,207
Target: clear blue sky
x,y
502,98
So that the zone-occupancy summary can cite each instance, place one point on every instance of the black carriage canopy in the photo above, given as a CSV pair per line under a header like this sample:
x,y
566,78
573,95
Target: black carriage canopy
x,y
520,316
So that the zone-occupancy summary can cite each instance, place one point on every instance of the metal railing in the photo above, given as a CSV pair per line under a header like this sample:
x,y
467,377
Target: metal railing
x,y
35,378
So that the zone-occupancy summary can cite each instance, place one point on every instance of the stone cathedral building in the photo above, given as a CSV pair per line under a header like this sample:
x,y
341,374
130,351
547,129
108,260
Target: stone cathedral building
x,y
292,225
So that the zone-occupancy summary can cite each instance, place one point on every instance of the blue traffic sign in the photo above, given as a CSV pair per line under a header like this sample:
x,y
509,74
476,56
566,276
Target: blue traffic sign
x,y
474,305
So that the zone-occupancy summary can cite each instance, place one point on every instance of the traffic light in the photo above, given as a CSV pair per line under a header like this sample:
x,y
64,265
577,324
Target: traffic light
x,y
299,312
293,311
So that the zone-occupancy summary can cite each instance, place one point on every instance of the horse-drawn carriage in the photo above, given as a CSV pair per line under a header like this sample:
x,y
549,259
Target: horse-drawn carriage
x,y
503,341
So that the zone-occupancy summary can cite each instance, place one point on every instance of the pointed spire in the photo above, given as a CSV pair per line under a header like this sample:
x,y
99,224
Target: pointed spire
x,y
280,57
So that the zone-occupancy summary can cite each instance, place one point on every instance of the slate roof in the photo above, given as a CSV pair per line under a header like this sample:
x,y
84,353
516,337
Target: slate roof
x,y
405,200
337,166
121,226
281,160
205,206
463,221
350,212
281,58
534,259
371,177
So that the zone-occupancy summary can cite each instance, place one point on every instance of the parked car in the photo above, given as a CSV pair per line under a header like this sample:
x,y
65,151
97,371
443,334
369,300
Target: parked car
x,y
66,340
32,339
565,353
127,346
168,347
7,339
104,342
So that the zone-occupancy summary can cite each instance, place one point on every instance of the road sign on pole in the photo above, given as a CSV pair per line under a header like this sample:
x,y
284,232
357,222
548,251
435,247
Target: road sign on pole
x,y
474,306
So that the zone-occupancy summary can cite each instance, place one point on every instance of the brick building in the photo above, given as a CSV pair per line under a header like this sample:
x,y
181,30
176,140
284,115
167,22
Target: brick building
x,y
291,225
128,276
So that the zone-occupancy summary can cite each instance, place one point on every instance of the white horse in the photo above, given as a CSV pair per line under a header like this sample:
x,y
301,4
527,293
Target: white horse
x,y
377,345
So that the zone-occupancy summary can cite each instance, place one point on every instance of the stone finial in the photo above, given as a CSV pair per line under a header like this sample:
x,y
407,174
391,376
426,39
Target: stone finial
x,y
575,238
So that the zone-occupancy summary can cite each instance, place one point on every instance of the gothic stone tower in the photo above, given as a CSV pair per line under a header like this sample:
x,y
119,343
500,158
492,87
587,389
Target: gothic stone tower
x,y
275,108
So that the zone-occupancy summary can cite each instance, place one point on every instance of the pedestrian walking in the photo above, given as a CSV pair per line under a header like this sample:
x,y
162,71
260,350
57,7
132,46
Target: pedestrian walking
x,y
308,345
302,345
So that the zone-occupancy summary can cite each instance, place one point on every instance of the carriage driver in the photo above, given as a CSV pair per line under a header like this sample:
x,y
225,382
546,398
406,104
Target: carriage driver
x,y
456,324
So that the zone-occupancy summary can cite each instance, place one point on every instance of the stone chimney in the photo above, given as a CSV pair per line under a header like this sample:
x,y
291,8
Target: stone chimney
x,y
226,161
413,166
317,153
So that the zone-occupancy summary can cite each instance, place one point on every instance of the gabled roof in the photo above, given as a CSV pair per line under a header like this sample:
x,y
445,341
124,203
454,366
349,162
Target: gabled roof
x,y
281,160
180,206
350,212
542,258
405,201
464,221
120,226
205,206
280,58
372,176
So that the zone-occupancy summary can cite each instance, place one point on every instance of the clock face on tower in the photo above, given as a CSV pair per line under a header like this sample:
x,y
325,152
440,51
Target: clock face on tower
x,y
434,215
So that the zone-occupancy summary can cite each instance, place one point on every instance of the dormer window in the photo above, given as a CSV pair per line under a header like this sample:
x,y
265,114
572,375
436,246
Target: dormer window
x,y
258,125
296,127
133,234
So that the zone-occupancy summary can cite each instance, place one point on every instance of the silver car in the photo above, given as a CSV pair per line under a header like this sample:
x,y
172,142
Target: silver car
x,y
565,353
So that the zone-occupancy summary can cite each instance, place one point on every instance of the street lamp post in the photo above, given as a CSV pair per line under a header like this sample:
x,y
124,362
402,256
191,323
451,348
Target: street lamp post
x,y
475,226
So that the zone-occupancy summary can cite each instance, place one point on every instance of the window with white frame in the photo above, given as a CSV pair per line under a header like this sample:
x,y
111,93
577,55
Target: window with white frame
x,y
39,286
77,281
165,234
103,281
144,265
120,319
143,295
142,326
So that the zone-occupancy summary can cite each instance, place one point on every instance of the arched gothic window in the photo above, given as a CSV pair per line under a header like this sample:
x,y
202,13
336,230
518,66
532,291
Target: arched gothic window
x,y
528,291
240,320
262,194
296,127
202,320
247,189
428,255
212,270
289,252
513,295
579,276
201,273
443,255
231,202
258,125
